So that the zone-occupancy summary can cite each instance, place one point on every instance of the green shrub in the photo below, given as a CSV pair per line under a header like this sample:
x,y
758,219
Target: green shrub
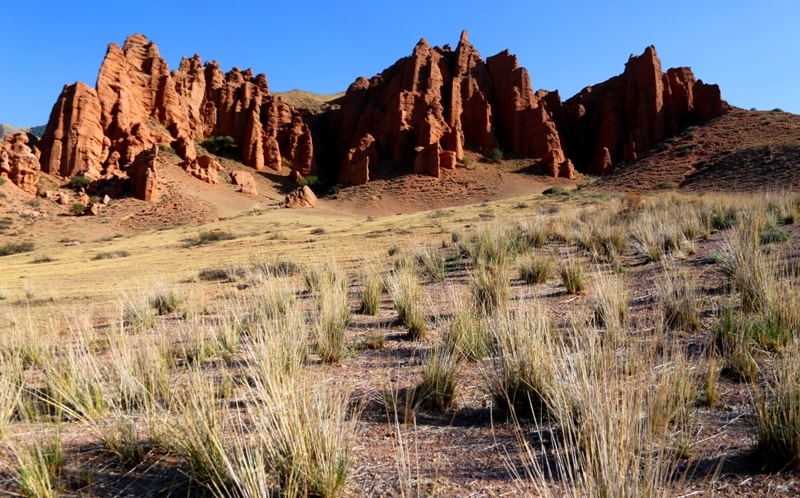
x,y
79,182
496,155
2,181
771,233
219,145
16,248
556,192
77,208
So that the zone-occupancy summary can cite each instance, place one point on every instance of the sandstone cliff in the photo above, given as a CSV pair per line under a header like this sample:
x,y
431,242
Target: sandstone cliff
x,y
427,108
424,111
620,118
139,104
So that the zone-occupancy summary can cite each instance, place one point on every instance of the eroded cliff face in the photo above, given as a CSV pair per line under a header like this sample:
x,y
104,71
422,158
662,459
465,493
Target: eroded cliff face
x,y
139,104
424,111
426,108
618,119
19,162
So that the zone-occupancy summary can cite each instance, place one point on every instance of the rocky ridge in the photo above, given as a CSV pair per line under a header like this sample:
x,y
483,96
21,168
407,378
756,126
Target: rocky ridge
x,y
424,112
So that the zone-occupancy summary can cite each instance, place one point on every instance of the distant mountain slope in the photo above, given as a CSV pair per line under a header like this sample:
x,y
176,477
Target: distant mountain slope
x,y
7,129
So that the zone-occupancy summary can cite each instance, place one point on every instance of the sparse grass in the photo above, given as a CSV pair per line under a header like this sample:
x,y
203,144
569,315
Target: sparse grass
x,y
679,301
167,301
778,406
431,263
332,317
466,332
491,288
232,395
610,303
40,463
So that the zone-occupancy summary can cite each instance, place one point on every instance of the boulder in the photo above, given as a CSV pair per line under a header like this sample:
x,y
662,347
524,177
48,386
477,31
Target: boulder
x,y
300,197
206,168
246,181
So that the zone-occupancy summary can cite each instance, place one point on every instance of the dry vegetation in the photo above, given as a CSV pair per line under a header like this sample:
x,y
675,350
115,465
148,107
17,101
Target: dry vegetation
x,y
567,345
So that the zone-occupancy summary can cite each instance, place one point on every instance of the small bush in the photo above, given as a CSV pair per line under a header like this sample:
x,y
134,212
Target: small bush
x,y
778,406
79,182
77,208
373,288
16,248
2,181
437,391
219,145
408,297
166,302
495,155
535,269
678,300
772,234
208,237
556,192
121,253
572,276
491,288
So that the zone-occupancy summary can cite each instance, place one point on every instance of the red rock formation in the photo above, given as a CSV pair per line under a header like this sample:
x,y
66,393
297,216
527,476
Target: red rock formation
x,y
300,197
19,164
424,110
139,103
630,113
246,181
205,168
355,169
73,142
452,100
145,183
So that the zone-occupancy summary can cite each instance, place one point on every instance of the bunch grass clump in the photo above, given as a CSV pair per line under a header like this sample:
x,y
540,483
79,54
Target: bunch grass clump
x,y
409,301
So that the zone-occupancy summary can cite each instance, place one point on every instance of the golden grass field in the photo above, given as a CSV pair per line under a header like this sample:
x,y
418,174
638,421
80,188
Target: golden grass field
x,y
575,343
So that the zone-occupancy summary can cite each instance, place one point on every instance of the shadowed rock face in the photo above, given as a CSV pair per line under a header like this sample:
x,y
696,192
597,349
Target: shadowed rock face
x,y
423,112
624,116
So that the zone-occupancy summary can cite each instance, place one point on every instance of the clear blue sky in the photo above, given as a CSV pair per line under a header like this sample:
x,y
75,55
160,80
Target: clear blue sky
x,y
750,49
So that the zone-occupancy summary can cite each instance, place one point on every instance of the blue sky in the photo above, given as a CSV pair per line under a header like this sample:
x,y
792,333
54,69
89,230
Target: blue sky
x,y
749,49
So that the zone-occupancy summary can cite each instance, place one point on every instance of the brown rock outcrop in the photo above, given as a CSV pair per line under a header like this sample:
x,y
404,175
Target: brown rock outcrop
x,y
206,168
19,164
73,142
300,197
630,113
138,103
428,107
246,181
144,179
355,169
423,112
